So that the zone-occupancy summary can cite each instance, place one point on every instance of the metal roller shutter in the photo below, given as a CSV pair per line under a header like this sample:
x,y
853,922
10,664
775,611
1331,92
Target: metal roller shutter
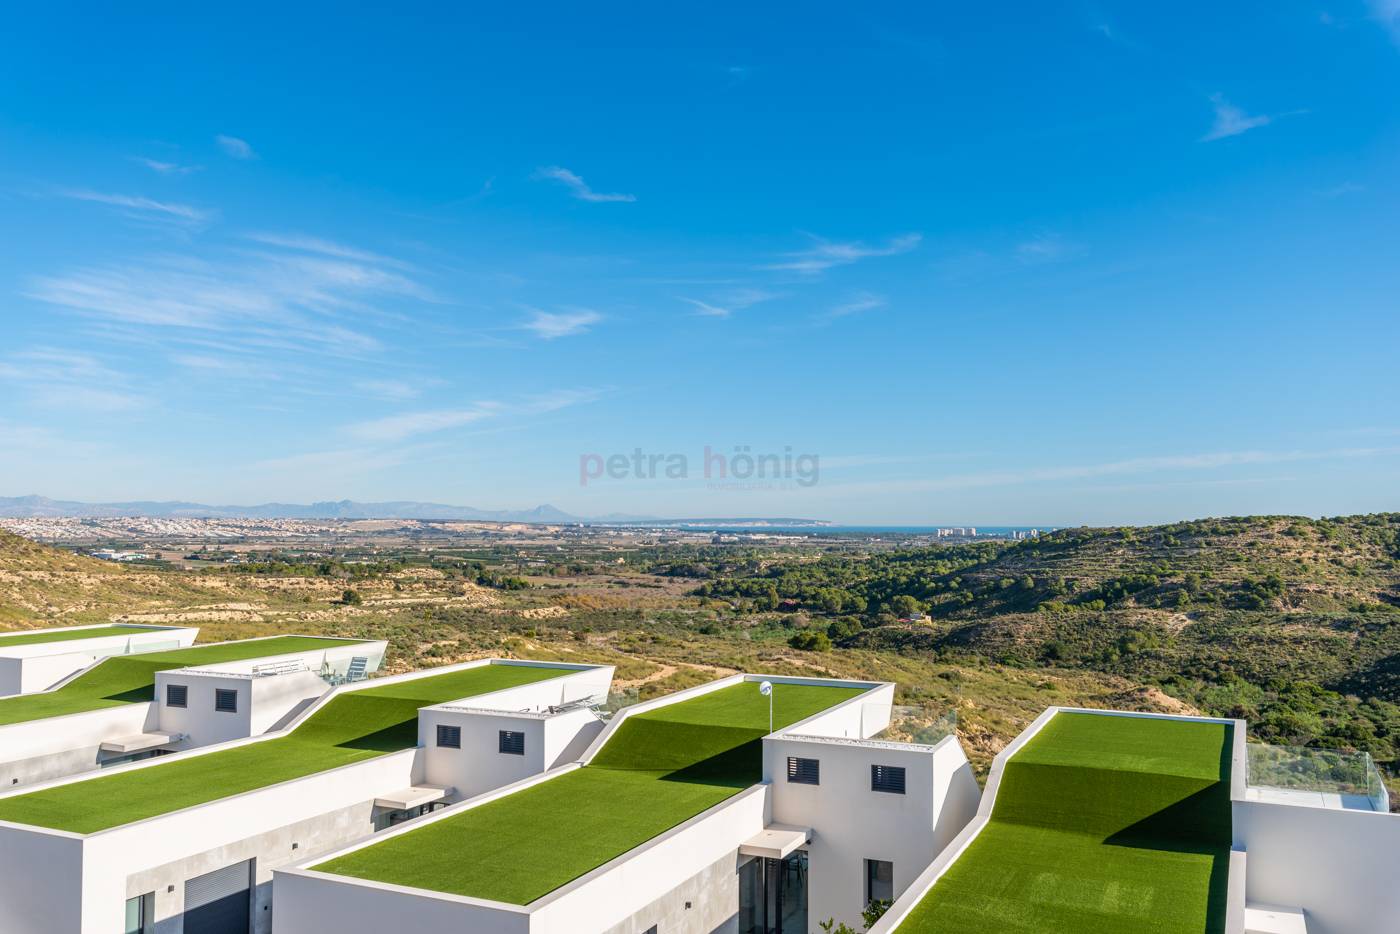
x,y
219,902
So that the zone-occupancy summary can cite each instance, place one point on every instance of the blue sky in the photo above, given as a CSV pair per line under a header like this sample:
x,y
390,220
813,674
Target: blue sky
x,y
1059,264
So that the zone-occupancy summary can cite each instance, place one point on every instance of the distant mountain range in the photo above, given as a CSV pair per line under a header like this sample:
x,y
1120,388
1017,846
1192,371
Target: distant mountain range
x,y
25,507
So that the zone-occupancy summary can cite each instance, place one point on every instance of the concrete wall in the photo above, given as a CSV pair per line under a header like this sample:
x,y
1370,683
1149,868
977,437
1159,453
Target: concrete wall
x,y
39,875
314,903
40,750
479,765
706,903
1341,867
851,823
261,703
39,666
332,808
268,851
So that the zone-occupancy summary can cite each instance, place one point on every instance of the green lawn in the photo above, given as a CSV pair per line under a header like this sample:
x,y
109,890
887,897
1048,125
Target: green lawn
x,y
36,637
355,726
1102,825
660,769
125,679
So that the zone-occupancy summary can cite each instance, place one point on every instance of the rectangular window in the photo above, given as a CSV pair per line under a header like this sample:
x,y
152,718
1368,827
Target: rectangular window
x,y
804,771
888,778
879,881
140,914
177,695
512,743
449,737
225,700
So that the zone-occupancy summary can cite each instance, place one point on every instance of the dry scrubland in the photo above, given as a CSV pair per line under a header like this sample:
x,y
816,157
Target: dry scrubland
x,y
1289,622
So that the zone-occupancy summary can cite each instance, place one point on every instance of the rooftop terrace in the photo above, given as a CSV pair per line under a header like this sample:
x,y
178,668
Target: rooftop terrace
x,y
1101,824
354,726
659,769
45,636
128,679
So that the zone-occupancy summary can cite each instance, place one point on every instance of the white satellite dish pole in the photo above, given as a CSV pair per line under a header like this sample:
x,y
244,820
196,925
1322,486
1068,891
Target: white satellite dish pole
x,y
766,689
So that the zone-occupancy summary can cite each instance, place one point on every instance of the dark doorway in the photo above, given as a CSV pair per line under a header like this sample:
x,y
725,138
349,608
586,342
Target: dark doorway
x,y
773,895
220,902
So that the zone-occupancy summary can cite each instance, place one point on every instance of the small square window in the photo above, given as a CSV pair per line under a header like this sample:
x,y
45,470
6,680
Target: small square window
x,y
879,881
177,695
888,778
804,771
512,743
449,737
225,700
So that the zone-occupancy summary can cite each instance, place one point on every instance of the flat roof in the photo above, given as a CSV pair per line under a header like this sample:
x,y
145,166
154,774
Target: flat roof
x,y
126,679
43,636
353,726
659,769
1101,824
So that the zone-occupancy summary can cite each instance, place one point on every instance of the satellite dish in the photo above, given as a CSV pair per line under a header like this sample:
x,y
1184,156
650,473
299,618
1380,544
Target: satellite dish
x,y
765,688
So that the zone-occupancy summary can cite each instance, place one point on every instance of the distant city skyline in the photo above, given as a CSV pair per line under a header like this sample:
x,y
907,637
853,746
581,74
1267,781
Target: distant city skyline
x,y
1090,264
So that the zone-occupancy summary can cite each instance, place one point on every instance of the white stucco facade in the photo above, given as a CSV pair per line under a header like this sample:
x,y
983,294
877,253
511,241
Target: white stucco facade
x,y
39,666
92,875
684,880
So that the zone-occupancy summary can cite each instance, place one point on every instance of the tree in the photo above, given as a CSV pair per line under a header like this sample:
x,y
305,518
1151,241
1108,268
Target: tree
x,y
905,606
351,598
811,642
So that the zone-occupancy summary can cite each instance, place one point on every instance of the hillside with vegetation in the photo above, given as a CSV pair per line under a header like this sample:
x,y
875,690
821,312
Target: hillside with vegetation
x,y
1292,624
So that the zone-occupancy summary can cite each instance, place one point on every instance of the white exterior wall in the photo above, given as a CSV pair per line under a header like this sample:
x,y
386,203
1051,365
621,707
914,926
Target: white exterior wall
x,y
1341,867
851,823
38,666
479,765
39,750
113,864
261,704
33,902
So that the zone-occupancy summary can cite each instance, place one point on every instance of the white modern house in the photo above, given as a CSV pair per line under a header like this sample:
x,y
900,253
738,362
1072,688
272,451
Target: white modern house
x,y
810,820
122,708
1305,845
37,659
187,842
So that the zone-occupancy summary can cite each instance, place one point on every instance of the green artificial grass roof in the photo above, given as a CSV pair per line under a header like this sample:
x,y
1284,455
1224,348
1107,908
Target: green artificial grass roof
x,y
126,679
1101,825
658,770
42,636
354,726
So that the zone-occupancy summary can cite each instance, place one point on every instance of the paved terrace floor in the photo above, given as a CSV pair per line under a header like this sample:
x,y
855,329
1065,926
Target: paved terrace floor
x,y
1101,824
658,770
354,726
41,636
126,679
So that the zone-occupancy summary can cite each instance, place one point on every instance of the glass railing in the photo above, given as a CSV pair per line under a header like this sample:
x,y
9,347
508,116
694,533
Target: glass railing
x,y
1347,774
927,725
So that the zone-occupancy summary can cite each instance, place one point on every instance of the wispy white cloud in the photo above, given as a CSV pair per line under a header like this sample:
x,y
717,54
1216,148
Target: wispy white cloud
x,y
1387,14
578,186
727,304
63,380
166,168
1231,120
857,304
235,147
308,244
136,205
404,425
552,325
251,300
234,367
824,254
